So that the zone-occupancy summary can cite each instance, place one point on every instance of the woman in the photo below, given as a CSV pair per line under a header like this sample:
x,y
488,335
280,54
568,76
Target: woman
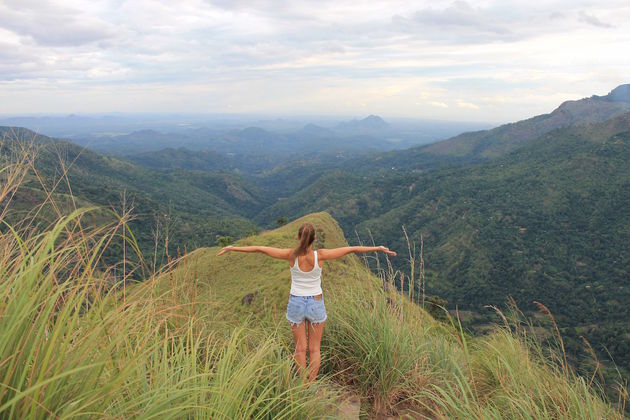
x,y
306,311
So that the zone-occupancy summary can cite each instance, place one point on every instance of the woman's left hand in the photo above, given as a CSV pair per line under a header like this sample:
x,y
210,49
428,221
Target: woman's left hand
x,y
225,250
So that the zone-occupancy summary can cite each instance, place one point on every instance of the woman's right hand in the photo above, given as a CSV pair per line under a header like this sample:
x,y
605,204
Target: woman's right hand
x,y
225,250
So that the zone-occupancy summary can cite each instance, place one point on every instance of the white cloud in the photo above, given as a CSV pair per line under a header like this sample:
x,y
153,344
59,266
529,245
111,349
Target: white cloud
x,y
460,14
438,104
49,24
464,104
593,20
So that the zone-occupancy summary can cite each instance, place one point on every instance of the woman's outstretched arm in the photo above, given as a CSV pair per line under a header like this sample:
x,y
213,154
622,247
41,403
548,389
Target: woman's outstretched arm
x,y
331,254
278,253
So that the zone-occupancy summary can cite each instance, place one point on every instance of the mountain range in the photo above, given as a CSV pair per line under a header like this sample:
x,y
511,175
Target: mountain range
x,y
274,141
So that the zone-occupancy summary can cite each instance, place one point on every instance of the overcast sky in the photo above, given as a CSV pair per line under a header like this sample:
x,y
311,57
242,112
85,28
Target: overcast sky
x,y
490,61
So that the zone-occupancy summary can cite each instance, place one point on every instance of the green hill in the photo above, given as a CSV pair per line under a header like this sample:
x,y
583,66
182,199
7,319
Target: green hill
x,y
546,222
381,346
232,278
377,344
527,216
508,137
479,146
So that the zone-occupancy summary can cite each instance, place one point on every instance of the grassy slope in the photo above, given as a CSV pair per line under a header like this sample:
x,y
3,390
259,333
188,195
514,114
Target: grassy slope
x,y
227,280
381,345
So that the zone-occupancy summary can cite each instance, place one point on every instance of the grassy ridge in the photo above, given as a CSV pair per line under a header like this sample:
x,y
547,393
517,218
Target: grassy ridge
x,y
264,282
384,347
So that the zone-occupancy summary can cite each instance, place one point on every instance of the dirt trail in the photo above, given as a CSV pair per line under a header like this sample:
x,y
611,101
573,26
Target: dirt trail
x,y
350,407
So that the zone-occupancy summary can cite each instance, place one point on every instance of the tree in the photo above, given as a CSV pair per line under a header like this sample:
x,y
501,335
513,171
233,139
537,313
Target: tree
x,y
224,241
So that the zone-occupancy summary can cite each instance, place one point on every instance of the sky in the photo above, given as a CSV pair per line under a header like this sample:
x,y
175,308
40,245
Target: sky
x,y
486,61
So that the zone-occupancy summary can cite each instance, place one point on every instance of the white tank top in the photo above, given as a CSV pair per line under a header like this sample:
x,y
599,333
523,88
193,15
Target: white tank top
x,y
306,283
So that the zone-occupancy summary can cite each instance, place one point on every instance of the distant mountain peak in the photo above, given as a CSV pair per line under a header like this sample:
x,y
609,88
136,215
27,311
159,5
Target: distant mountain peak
x,y
371,122
375,120
619,94
314,129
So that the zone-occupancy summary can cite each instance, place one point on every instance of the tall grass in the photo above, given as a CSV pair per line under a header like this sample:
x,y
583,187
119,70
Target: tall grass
x,y
404,362
73,345
376,346
70,347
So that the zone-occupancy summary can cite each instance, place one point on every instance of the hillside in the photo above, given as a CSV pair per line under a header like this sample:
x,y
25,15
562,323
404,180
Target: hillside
x,y
377,353
199,160
508,137
481,145
195,206
547,220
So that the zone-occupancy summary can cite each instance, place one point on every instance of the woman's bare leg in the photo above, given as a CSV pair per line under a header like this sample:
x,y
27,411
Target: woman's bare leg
x,y
299,338
315,332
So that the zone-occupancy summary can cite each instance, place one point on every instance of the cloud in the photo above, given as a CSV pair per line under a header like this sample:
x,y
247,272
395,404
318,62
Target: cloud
x,y
280,55
468,105
438,104
461,14
49,24
592,20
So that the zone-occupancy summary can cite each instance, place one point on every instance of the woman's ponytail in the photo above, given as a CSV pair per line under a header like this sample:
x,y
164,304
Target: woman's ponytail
x,y
306,236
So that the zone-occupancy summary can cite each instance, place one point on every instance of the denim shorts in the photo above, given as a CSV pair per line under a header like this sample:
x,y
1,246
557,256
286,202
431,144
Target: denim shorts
x,y
306,307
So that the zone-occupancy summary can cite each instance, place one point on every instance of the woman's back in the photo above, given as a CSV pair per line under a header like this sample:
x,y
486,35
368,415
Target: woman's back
x,y
306,262
306,275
